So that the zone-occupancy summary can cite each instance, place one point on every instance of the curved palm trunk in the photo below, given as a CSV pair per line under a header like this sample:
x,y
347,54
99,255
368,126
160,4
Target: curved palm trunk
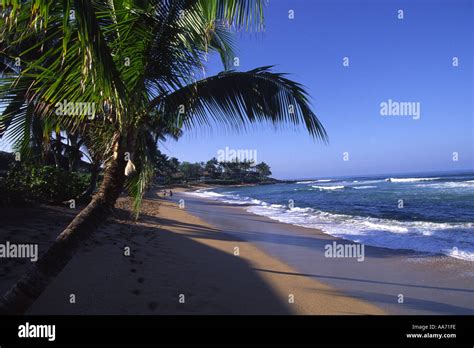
x,y
18,299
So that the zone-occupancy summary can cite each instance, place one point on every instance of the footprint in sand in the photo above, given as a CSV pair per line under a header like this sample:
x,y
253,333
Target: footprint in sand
x,y
136,292
152,306
140,280
133,270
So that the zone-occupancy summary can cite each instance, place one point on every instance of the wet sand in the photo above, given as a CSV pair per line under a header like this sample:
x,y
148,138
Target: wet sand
x,y
398,281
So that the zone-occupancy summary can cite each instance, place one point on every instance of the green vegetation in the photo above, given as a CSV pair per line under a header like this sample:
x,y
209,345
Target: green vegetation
x,y
170,170
137,66
29,184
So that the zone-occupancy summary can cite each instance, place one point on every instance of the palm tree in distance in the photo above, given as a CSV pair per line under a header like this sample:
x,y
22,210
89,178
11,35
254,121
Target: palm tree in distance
x,y
137,62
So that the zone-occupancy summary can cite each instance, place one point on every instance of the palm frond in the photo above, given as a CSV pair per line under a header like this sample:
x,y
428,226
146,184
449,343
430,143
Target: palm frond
x,y
236,99
144,159
246,14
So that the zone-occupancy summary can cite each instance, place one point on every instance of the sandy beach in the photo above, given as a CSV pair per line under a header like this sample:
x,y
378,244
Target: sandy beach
x,y
173,253
213,258
399,281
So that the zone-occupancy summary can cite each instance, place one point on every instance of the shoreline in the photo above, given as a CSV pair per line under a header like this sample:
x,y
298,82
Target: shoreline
x,y
195,188
172,253
191,252
429,283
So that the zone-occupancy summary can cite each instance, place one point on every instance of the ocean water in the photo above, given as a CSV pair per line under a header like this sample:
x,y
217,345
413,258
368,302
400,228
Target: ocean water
x,y
429,213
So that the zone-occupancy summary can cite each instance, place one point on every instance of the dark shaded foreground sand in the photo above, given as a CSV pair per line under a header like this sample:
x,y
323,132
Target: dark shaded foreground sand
x,y
172,253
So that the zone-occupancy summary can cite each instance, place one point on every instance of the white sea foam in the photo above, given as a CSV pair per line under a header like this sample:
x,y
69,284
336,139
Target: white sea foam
x,y
421,236
449,185
413,235
226,198
204,193
336,187
313,181
364,187
370,181
409,179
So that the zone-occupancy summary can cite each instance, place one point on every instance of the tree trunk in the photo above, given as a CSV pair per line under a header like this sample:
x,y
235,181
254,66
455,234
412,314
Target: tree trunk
x,y
74,153
57,150
85,196
23,294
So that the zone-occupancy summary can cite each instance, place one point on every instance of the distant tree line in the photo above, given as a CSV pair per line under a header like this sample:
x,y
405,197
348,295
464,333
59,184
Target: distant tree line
x,y
171,170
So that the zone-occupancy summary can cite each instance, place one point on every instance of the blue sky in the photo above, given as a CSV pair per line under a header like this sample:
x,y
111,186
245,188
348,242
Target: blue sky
x,y
403,60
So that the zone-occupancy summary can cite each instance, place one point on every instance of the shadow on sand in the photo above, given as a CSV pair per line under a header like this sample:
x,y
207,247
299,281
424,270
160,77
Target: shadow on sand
x,y
166,264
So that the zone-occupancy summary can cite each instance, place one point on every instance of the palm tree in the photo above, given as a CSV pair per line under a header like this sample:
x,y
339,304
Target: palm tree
x,y
138,63
211,168
263,170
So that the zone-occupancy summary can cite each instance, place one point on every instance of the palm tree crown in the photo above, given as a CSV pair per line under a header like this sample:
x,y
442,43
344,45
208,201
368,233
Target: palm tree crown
x,y
137,62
